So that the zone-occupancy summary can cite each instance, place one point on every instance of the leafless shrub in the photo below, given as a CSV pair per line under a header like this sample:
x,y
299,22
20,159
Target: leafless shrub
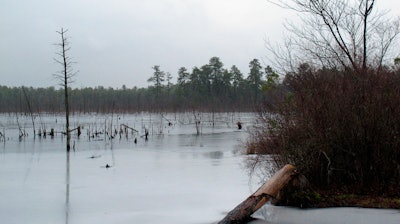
x,y
341,129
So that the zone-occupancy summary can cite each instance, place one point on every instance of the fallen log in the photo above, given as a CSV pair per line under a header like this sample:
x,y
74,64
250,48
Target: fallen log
x,y
268,190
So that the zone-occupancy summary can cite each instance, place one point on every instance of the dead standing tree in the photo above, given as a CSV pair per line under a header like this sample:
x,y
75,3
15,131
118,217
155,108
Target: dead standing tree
x,y
64,76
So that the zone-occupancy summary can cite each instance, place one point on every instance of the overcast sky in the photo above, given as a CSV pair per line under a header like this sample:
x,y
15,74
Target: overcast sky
x,y
116,42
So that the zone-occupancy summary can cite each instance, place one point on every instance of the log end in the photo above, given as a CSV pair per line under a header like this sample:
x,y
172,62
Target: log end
x,y
270,189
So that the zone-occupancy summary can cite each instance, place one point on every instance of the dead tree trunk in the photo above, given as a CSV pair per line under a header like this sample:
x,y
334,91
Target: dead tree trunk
x,y
66,102
65,76
270,189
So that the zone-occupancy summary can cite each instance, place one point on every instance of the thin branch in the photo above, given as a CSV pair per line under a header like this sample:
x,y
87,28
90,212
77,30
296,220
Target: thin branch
x,y
335,32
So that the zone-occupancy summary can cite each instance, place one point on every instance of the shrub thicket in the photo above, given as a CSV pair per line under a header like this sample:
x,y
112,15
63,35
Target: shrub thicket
x,y
342,130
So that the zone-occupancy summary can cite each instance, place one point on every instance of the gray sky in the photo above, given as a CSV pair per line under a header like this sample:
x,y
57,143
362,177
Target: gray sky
x,y
116,42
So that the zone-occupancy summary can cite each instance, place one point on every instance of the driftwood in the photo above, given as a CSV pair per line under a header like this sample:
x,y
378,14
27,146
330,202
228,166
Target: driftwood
x,y
270,189
126,126
78,129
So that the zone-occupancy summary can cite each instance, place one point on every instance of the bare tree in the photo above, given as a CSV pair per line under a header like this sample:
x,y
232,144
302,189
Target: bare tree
x,y
337,33
65,76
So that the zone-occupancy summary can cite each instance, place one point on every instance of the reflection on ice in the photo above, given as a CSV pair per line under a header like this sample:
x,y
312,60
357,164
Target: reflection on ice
x,y
67,186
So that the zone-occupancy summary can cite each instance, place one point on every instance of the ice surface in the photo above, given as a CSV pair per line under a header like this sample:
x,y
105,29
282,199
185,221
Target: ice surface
x,y
274,214
174,177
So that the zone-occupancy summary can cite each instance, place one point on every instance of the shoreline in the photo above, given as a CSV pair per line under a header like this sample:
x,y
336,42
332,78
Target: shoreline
x,y
300,193
354,200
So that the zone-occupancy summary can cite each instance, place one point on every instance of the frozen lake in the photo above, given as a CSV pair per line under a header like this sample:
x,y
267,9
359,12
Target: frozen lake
x,y
174,177
177,176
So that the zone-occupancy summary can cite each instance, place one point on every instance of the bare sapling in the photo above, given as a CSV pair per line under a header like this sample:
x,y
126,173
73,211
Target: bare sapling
x,y
30,111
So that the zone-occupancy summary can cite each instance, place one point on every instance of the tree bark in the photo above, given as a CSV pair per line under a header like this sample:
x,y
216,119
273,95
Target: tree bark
x,y
271,188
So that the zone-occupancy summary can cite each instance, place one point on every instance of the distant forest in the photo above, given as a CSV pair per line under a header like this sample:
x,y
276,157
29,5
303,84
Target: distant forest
x,y
210,87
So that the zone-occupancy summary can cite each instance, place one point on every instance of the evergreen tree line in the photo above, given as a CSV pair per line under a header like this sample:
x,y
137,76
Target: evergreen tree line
x,y
210,87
